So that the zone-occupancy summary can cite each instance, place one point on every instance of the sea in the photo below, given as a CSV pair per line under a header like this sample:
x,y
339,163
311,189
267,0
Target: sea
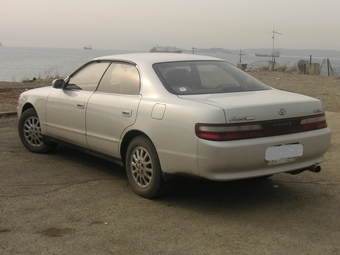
x,y
18,64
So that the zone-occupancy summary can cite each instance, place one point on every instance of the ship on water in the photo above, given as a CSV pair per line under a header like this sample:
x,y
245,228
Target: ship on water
x,y
275,55
166,50
88,47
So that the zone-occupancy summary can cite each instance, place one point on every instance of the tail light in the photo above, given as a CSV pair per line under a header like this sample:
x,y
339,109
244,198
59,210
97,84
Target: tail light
x,y
313,123
228,132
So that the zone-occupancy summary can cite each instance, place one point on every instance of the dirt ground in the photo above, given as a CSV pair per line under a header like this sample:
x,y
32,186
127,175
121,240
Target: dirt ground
x,y
324,88
68,202
10,91
327,89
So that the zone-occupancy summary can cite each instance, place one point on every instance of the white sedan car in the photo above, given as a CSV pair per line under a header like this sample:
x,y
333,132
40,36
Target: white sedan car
x,y
160,114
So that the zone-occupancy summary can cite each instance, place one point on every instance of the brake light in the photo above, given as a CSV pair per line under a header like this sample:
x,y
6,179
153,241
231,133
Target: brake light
x,y
228,132
313,123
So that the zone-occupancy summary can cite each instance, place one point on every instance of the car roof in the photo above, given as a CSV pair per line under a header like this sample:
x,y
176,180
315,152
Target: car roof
x,y
152,58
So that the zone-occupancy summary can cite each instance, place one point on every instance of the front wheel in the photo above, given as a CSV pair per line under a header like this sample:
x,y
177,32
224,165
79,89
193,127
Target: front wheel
x,y
143,168
30,133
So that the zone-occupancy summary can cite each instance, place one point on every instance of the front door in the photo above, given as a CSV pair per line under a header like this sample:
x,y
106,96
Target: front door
x,y
66,108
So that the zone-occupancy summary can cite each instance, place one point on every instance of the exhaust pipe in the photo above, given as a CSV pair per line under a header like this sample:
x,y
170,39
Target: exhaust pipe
x,y
314,168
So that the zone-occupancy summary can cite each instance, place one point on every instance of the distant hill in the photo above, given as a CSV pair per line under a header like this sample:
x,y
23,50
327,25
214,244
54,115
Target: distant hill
x,y
294,52
283,52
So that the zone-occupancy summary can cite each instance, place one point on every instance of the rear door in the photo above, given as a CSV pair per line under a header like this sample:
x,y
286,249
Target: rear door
x,y
113,108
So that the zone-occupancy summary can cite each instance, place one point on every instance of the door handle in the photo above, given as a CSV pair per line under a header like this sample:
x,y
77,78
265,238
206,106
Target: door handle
x,y
80,105
127,113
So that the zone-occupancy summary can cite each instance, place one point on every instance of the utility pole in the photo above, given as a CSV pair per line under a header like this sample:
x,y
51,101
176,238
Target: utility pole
x,y
273,36
193,50
240,55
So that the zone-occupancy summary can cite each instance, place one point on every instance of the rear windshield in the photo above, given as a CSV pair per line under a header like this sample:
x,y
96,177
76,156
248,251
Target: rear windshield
x,y
205,77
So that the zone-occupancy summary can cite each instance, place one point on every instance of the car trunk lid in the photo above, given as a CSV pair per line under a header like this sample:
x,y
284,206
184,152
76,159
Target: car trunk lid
x,y
260,105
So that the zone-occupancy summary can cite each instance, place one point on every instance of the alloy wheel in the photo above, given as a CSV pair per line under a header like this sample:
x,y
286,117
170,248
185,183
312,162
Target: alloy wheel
x,y
32,132
141,167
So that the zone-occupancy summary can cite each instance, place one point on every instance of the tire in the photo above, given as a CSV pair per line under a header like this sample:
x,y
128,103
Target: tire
x,y
30,133
143,168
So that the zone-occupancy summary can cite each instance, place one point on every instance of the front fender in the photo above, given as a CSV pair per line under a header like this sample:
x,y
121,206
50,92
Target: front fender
x,y
37,99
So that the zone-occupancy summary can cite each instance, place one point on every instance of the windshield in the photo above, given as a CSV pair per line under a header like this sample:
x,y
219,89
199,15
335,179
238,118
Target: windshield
x,y
205,77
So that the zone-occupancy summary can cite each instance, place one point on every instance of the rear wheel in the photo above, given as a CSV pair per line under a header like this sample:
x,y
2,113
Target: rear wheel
x,y
30,133
143,168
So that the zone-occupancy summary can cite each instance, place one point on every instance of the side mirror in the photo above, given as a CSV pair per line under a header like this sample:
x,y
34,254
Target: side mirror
x,y
58,83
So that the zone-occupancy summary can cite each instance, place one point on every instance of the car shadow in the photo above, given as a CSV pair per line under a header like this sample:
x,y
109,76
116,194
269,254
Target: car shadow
x,y
89,161
201,194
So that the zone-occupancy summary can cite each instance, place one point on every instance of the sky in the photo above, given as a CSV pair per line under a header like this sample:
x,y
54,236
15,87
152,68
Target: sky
x,y
142,24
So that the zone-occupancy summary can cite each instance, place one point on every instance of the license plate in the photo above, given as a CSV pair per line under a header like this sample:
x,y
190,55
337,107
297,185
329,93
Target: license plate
x,y
283,153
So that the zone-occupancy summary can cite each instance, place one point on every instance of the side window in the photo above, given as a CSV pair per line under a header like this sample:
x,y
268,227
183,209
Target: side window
x,y
120,78
88,77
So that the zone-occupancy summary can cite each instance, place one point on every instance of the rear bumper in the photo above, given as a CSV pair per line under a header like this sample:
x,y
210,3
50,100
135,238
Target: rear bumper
x,y
232,160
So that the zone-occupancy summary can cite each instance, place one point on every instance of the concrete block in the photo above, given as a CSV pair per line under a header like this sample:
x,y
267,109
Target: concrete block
x,y
242,66
313,68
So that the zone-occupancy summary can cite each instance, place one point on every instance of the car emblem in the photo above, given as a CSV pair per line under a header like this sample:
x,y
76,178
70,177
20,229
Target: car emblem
x,y
282,111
